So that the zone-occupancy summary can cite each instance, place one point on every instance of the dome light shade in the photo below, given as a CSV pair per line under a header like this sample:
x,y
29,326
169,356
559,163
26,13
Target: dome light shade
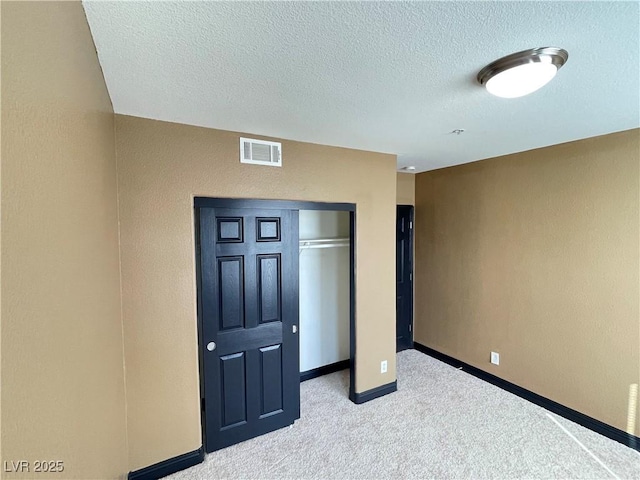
x,y
522,73
521,80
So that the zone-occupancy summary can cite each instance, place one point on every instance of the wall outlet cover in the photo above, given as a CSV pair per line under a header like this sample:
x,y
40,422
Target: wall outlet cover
x,y
383,366
495,358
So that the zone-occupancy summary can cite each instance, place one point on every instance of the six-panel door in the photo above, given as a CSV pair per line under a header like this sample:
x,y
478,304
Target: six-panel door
x,y
404,278
249,312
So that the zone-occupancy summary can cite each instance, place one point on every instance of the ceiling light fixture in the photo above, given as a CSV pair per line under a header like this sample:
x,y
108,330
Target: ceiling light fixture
x,y
522,73
410,168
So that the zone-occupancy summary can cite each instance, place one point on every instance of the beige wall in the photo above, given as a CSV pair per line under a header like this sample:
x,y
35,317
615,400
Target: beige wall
x,y
536,256
162,166
62,364
405,189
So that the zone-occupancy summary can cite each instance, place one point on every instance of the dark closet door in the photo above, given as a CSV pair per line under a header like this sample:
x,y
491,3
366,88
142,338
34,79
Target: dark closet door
x,y
248,270
404,277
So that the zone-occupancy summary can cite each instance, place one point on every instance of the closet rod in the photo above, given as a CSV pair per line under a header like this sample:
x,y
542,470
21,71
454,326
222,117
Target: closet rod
x,y
333,245
325,240
325,243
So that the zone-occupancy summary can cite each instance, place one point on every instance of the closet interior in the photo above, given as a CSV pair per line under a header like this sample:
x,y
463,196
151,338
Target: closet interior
x,y
324,288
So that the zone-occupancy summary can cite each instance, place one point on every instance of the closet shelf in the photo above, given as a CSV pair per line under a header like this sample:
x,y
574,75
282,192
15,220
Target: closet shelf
x,y
324,243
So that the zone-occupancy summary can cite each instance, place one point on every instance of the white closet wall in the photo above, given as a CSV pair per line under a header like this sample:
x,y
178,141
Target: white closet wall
x,y
324,290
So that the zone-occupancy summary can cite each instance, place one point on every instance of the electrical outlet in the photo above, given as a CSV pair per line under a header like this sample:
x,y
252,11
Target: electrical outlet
x,y
383,366
495,358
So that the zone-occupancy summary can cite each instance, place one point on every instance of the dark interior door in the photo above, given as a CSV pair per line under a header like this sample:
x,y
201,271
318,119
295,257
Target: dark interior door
x,y
248,270
404,277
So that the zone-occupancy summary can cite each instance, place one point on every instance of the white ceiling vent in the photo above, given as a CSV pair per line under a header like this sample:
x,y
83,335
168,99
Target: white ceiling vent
x,y
260,152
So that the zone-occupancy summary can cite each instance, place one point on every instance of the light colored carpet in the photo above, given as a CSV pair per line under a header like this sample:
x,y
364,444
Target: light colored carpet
x,y
441,423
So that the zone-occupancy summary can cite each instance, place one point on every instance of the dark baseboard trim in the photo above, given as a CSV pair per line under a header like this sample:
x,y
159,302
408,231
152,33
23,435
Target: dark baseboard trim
x,y
324,370
168,467
580,418
373,393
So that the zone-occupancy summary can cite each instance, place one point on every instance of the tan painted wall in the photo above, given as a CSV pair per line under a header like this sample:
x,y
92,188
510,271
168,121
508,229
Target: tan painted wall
x,y
406,189
536,256
62,364
162,166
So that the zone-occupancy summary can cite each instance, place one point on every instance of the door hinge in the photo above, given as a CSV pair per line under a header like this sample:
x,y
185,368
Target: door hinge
x,y
410,224
411,277
409,327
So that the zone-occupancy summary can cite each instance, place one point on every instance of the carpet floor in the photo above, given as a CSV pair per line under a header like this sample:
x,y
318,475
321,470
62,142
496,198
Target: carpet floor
x,y
441,423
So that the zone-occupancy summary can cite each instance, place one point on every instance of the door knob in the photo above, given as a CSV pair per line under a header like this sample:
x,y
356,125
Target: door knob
x,y
295,329
211,346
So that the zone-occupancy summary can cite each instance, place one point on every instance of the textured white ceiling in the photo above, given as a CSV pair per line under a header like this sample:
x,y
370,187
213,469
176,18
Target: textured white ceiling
x,y
393,77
